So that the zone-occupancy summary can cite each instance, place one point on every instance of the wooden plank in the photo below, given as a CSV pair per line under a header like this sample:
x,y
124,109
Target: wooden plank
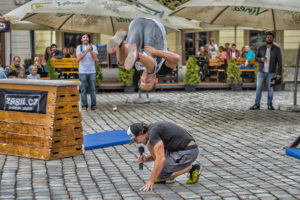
x,y
69,129
29,87
65,141
67,107
25,140
247,70
67,97
67,118
26,129
66,151
25,151
42,142
71,88
40,153
41,130
26,118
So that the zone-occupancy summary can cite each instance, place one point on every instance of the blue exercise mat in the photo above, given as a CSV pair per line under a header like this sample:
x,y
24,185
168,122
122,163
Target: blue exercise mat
x,y
293,152
105,139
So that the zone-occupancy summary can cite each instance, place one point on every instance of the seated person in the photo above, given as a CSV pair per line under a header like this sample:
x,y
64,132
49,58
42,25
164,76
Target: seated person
x,y
223,53
146,49
20,73
11,71
33,73
55,53
42,69
233,52
249,55
65,53
2,71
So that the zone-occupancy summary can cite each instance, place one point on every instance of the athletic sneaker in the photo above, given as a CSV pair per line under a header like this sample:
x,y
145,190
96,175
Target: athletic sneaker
x,y
194,174
131,57
158,181
116,41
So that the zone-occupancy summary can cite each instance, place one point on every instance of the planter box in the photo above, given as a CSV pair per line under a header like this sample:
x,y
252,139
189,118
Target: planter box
x,y
189,88
236,88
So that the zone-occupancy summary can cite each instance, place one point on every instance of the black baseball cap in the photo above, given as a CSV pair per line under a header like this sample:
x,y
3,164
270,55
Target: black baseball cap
x,y
134,130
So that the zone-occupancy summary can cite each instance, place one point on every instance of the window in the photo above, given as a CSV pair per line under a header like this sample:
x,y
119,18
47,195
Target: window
x,y
257,38
189,45
72,39
202,38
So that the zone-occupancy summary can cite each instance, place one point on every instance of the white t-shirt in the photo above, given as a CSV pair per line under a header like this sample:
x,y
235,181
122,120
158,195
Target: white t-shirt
x,y
213,50
267,62
233,54
86,64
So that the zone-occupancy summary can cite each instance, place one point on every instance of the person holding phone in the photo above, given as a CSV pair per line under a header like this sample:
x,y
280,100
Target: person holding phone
x,y
270,65
86,55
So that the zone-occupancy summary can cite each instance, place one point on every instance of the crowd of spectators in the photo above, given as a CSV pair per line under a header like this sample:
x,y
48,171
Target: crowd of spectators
x,y
38,69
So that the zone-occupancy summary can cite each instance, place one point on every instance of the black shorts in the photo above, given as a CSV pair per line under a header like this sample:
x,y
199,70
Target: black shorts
x,y
164,70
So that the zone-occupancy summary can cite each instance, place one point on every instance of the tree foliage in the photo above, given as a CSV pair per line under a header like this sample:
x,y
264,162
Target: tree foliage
x,y
99,74
52,74
233,73
191,75
126,77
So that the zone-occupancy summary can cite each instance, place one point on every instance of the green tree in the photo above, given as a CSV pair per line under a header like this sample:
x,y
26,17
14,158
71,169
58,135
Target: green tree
x,y
126,77
191,75
99,74
52,74
233,73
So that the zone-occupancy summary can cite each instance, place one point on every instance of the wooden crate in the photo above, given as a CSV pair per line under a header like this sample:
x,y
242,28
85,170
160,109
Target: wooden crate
x,y
57,133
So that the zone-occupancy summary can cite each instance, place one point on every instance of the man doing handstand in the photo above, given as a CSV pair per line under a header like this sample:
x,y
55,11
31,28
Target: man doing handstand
x,y
145,48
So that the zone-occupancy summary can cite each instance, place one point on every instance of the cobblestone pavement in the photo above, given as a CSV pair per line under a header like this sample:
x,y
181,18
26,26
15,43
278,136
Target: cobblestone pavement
x,y
242,152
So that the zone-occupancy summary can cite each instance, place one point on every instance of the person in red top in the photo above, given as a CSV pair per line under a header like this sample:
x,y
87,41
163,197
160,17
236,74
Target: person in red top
x,y
233,53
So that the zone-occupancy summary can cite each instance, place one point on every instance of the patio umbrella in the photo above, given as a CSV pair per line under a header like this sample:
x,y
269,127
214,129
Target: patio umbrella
x,y
263,14
95,16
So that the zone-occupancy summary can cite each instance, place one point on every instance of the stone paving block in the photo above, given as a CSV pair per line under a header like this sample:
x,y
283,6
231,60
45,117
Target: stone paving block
x,y
241,150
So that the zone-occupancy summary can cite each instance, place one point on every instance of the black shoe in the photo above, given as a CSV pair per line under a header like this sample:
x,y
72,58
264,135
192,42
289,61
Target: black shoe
x,y
255,107
270,107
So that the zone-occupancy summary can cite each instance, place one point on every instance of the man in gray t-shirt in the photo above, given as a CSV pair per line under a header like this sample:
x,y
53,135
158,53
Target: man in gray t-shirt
x,y
172,149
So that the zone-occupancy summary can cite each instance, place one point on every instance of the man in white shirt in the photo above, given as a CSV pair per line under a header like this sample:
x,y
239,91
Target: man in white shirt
x,y
86,56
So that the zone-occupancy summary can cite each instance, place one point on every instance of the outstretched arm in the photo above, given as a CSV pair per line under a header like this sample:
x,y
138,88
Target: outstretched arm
x,y
159,153
171,58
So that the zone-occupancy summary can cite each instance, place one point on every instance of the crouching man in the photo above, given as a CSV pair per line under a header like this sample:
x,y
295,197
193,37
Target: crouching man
x,y
172,149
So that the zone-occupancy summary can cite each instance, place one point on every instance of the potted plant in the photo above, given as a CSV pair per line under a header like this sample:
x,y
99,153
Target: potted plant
x,y
99,74
126,79
191,75
52,74
234,78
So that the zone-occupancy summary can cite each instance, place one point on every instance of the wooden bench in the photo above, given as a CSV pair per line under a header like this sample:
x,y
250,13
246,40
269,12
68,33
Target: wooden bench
x,y
213,65
67,68
171,77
